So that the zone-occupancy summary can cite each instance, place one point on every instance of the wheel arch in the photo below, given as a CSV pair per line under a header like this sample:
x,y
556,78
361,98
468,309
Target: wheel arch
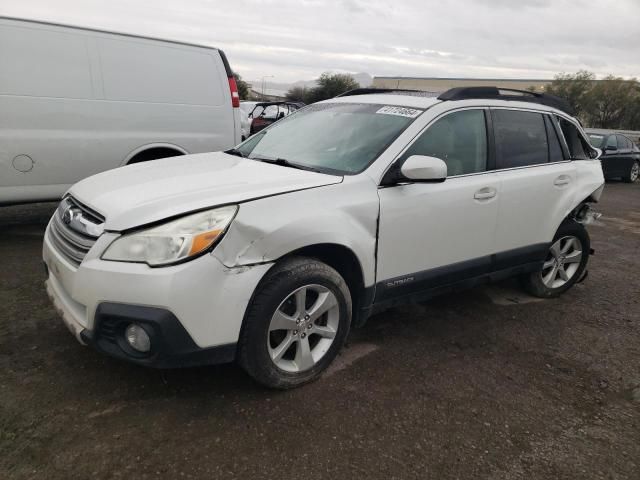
x,y
153,147
345,262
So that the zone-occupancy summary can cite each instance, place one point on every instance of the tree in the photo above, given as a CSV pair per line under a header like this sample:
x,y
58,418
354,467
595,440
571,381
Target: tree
x,y
298,94
331,85
612,103
573,88
243,87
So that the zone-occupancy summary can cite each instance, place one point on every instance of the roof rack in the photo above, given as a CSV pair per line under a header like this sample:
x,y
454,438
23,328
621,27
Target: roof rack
x,y
469,93
372,90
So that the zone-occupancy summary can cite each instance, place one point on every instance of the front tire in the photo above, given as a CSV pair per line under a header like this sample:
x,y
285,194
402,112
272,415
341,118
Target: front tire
x,y
565,263
633,174
296,324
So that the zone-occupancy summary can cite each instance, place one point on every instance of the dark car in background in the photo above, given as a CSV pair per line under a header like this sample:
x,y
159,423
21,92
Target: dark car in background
x,y
620,156
266,113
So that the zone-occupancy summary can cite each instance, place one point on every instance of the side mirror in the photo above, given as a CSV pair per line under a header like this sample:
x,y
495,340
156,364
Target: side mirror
x,y
610,148
421,168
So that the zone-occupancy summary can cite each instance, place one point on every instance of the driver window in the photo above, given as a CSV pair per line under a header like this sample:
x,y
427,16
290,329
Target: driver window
x,y
612,142
459,139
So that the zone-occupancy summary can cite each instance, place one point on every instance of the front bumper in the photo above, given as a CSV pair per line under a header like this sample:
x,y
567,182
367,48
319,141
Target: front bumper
x,y
193,310
171,345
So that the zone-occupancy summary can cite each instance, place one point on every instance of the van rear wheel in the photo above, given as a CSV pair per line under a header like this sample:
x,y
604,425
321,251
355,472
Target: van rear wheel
x,y
296,324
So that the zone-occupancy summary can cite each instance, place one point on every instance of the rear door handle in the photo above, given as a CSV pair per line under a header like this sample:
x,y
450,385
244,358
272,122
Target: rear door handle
x,y
485,193
562,180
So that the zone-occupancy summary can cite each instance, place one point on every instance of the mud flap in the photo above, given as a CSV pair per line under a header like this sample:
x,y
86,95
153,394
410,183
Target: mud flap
x,y
585,274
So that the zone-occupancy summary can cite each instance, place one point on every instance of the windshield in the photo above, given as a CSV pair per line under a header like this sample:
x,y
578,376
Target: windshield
x,y
596,140
342,138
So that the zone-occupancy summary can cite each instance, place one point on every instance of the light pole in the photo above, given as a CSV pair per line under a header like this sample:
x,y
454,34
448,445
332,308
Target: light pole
x,y
266,76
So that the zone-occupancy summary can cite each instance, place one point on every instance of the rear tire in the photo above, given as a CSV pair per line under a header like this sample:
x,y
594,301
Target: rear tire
x,y
565,263
634,172
296,324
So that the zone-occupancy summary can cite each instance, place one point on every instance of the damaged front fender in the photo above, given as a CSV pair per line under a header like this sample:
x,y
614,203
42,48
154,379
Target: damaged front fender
x,y
268,229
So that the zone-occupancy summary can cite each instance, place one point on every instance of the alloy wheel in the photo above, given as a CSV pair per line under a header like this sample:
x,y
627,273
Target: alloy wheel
x,y
635,172
562,263
303,328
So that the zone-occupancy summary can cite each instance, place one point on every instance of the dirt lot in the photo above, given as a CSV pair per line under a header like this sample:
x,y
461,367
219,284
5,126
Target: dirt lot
x,y
489,384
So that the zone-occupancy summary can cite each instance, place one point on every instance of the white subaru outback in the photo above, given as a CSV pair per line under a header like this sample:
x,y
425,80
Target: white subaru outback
x,y
268,253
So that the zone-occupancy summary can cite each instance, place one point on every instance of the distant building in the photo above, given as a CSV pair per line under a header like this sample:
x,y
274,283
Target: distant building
x,y
433,84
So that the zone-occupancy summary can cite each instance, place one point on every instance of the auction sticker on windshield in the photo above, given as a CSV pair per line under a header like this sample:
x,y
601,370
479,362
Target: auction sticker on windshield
x,y
399,111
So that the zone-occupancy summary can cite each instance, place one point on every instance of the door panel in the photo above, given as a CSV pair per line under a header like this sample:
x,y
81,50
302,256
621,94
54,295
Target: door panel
x,y
433,234
534,194
533,202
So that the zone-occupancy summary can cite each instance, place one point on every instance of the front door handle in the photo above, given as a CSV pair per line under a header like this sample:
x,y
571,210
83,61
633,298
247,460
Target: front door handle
x,y
485,193
562,180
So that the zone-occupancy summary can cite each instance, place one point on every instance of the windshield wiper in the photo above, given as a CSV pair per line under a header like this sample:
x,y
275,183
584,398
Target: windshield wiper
x,y
236,152
285,163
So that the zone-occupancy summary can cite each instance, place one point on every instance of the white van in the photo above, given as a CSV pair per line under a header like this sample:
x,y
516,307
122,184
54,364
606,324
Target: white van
x,y
75,102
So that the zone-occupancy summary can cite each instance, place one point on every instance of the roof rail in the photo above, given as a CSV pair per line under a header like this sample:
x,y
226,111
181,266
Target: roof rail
x,y
496,93
372,90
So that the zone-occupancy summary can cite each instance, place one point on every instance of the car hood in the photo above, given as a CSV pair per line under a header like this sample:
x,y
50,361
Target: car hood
x,y
147,192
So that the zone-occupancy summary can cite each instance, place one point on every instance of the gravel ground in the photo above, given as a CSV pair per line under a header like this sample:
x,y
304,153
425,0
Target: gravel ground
x,y
488,384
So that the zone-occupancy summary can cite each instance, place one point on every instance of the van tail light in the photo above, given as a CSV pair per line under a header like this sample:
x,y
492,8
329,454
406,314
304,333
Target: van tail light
x,y
235,96
233,86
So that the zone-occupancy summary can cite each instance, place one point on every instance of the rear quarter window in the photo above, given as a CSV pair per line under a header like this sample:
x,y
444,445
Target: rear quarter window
x,y
146,71
578,147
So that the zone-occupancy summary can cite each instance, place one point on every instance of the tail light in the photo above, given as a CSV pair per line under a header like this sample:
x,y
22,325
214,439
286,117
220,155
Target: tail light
x,y
233,86
235,96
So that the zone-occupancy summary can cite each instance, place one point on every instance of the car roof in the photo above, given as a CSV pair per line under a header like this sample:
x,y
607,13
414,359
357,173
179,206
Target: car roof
x,y
411,100
280,102
605,132
388,99
110,32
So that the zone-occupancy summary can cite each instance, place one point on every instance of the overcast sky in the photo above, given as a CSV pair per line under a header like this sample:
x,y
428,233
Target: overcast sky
x,y
299,39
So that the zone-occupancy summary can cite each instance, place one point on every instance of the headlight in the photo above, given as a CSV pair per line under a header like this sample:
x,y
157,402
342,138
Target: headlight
x,y
173,241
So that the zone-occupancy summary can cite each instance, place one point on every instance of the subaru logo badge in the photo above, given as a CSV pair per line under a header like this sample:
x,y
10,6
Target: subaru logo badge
x,y
67,215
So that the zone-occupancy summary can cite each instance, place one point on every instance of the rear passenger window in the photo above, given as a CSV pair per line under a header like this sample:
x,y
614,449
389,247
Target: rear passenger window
x,y
459,139
622,143
521,138
578,147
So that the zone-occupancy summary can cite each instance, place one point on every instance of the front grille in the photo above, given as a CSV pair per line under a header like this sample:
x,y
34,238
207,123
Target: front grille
x,y
74,230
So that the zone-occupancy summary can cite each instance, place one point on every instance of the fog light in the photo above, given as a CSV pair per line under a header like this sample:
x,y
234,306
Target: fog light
x,y
138,338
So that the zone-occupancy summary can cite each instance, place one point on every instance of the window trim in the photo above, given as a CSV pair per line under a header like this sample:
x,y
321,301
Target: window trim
x,y
396,164
561,140
553,115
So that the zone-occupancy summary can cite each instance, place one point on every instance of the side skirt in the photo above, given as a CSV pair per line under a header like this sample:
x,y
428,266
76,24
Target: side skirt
x,y
423,285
